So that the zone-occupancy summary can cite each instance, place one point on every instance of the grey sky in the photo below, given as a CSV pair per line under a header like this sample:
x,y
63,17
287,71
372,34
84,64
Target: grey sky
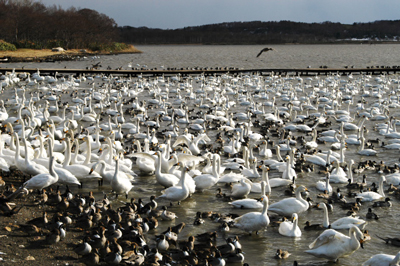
x,y
173,14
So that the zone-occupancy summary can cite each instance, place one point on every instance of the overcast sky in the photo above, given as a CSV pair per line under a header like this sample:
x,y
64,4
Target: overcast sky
x,y
173,14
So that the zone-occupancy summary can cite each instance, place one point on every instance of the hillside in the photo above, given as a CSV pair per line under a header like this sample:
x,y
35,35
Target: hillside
x,y
258,32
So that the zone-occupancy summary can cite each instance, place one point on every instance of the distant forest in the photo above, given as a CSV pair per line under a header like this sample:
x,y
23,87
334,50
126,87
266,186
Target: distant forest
x,y
258,32
30,24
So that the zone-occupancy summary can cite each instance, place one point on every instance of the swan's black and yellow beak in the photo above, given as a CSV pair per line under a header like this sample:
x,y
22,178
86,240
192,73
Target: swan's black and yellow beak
x,y
362,243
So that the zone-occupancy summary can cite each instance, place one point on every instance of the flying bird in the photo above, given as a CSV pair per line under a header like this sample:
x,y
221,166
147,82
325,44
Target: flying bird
x,y
265,50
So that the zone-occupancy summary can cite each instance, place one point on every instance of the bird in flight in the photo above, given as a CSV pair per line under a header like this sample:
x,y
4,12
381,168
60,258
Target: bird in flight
x,y
265,50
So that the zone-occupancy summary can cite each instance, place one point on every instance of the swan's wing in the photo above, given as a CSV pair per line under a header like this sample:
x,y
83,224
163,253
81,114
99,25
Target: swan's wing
x,y
189,158
180,140
203,137
347,220
141,155
328,236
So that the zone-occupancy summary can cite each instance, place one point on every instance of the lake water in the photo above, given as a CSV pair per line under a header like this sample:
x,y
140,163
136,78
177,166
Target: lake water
x,y
243,56
260,249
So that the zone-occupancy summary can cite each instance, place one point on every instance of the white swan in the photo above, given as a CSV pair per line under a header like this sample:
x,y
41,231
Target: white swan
x,y
41,181
290,228
254,221
178,193
242,189
206,181
383,260
82,172
324,185
371,195
64,176
250,203
366,152
341,223
288,206
332,244
119,183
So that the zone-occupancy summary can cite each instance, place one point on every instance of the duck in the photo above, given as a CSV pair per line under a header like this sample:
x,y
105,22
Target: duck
x,y
288,206
383,260
332,244
290,228
253,221
282,254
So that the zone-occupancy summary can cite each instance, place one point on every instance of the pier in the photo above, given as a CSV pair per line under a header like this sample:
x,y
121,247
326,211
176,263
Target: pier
x,y
210,72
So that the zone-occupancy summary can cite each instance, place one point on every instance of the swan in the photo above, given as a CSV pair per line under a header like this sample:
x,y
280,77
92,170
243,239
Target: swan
x,y
288,206
393,179
254,221
242,189
164,179
289,172
290,228
82,172
338,175
324,185
383,260
107,175
264,151
257,187
64,176
251,173
44,180
271,162
30,167
341,223
145,164
332,244
250,203
370,195
206,181
119,183
367,152
178,193
313,143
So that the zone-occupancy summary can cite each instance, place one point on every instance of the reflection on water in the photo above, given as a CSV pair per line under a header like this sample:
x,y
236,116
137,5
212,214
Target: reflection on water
x,y
260,249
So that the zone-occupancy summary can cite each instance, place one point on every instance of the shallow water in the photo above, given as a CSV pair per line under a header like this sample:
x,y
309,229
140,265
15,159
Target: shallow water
x,y
260,249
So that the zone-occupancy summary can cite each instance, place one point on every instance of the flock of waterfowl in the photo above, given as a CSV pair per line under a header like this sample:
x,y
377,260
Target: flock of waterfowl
x,y
198,139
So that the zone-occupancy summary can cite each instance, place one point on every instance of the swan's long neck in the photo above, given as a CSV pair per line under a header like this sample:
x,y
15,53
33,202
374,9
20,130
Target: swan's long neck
x,y
67,154
89,150
265,206
300,198
116,170
380,189
214,168
354,234
325,222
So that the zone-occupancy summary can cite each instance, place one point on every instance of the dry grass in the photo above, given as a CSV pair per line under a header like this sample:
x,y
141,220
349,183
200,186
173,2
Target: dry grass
x,y
32,53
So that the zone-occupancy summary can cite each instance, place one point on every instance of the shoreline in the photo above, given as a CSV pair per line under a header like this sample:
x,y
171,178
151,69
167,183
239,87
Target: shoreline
x,y
47,55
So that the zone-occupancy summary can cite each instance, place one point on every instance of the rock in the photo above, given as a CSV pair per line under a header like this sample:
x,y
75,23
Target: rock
x,y
30,258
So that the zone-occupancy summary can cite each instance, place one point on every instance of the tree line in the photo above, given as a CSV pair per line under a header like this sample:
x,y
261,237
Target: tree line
x,y
258,32
29,24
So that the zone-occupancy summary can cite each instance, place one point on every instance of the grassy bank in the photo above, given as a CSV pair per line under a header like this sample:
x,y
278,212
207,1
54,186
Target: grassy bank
x,y
21,55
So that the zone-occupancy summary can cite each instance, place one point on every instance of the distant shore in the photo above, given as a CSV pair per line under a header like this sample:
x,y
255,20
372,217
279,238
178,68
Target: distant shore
x,y
47,55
